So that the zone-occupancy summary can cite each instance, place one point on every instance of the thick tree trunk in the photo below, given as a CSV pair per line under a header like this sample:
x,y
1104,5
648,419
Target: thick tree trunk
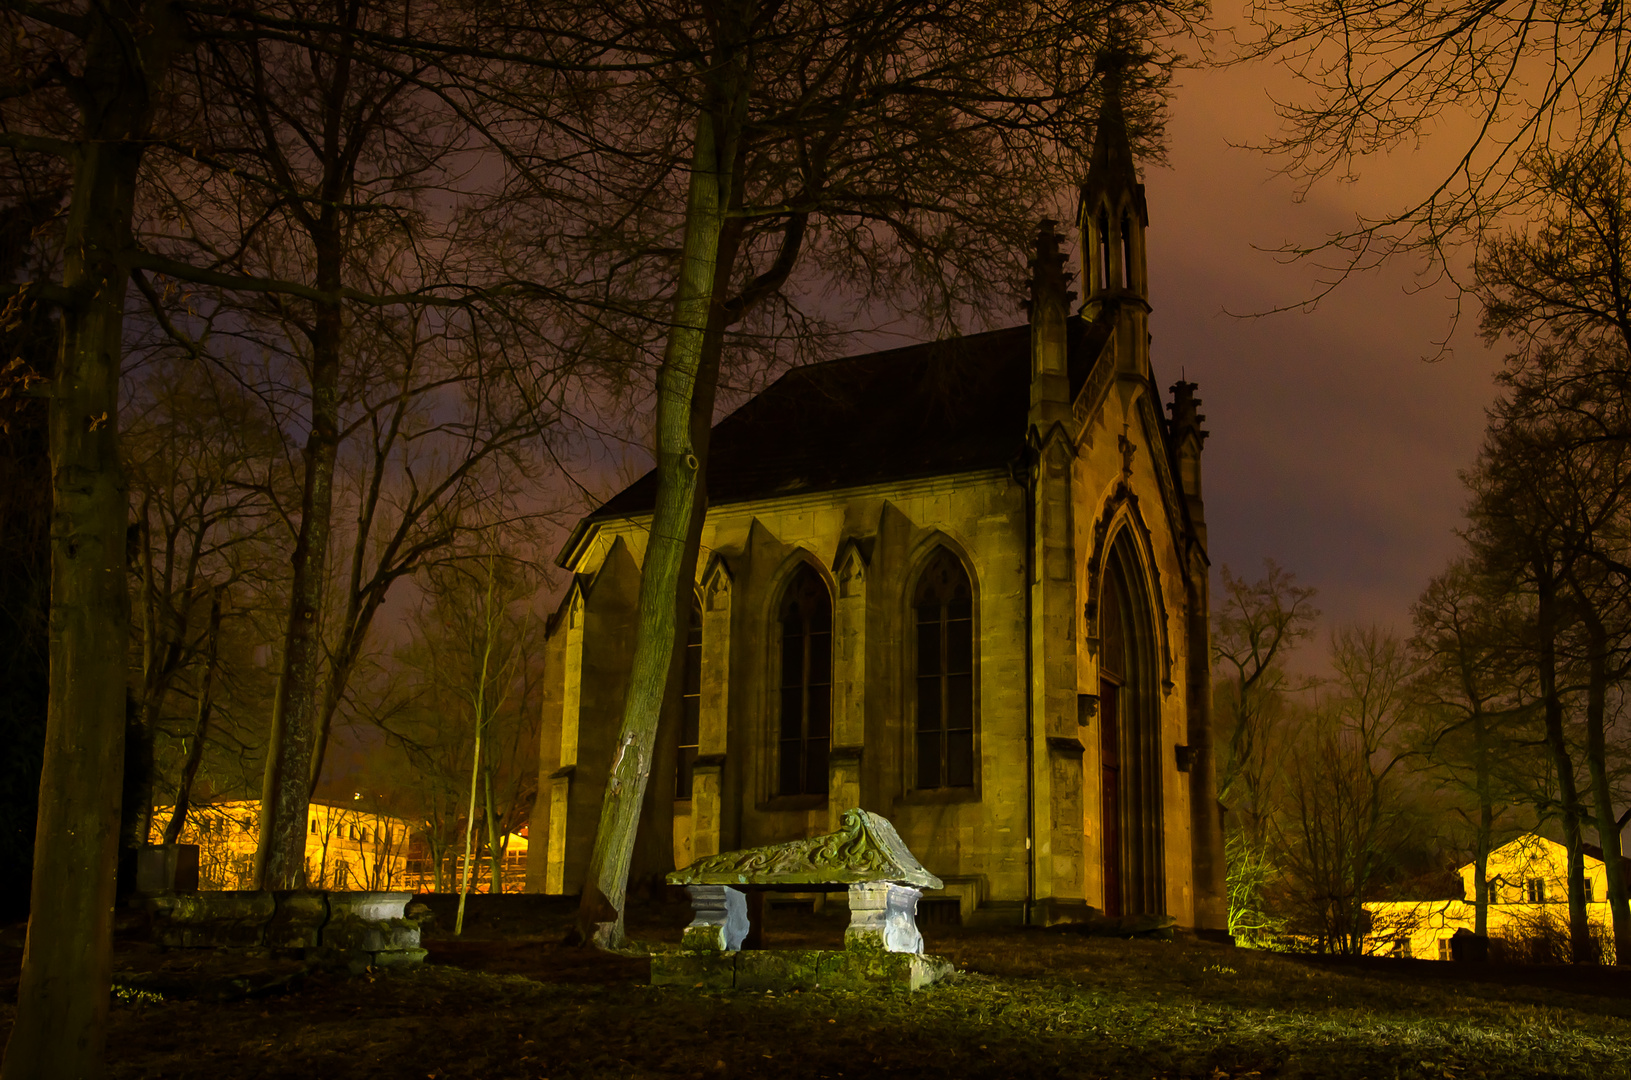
x,y
654,844
62,997
286,793
600,917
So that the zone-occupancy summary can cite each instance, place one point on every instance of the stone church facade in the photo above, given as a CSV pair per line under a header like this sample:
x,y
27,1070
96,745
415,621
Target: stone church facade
x,y
961,584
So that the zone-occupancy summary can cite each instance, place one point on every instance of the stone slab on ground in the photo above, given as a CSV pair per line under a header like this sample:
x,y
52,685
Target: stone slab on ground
x,y
798,969
1093,922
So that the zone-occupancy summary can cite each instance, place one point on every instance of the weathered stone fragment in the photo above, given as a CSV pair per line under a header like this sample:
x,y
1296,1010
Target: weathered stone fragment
x,y
883,915
298,919
720,920
865,849
211,919
370,935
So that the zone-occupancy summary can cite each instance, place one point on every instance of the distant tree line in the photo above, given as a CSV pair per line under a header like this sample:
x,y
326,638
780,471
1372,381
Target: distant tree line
x,y
1507,707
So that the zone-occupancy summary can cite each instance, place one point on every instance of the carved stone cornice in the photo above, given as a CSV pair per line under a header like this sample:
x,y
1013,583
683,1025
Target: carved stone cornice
x,y
866,848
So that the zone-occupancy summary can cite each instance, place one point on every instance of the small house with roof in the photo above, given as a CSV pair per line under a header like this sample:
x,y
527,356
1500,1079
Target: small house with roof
x,y
1527,892
961,584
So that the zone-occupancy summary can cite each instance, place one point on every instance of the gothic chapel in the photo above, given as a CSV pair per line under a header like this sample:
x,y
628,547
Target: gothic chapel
x,y
961,584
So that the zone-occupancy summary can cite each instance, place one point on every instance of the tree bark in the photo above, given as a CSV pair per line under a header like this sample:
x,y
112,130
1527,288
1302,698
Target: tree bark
x,y
195,752
286,794
1486,823
62,996
469,827
495,849
1563,764
600,916
1608,829
654,843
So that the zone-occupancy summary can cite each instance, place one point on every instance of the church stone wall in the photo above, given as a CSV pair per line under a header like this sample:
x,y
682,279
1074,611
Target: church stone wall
x,y
1104,476
869,546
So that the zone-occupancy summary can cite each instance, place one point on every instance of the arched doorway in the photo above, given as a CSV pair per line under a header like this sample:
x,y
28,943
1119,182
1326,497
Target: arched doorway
x,y
1129,741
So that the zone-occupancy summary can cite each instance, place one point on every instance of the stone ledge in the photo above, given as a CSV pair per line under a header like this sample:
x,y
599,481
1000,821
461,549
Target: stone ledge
x,y
352,930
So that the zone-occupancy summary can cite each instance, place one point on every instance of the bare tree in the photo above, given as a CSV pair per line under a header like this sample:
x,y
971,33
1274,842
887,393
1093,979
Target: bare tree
x,y
1527,78
466,721
83,85
1470,691
203,466
1516,534
1340,836
907,148
1556,469
90,102
1255,627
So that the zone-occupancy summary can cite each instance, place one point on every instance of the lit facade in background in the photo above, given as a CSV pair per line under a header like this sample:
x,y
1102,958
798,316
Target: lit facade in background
x,y
347,849
1528,896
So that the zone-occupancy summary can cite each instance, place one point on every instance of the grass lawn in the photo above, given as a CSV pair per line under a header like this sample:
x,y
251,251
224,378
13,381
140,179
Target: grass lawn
x,y
508,1000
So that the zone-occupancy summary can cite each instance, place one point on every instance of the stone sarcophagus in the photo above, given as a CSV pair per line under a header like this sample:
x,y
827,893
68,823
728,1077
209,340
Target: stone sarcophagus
x,y
865,857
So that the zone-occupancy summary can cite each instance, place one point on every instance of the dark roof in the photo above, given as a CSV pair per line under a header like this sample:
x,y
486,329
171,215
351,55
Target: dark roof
x,y
942,407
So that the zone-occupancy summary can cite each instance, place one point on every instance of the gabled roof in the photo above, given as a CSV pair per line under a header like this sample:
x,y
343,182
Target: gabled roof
x,y
943,407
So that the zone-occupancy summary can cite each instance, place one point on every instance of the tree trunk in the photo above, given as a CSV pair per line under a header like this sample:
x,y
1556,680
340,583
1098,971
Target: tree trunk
x,y
495,850
436,853
286,794
1608,830
600,916
654,843
195,752
62,996
1563,763
1486,823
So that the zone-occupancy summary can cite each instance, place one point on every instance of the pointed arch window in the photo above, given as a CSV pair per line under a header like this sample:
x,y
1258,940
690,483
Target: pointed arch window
x,y
1105,279
805,722
944,606
690,706
1126,250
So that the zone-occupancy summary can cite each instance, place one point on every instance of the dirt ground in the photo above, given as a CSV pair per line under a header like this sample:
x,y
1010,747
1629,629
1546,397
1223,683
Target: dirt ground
x,y
508,999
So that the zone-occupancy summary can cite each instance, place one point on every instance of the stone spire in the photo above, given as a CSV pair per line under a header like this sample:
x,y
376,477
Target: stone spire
x,y
1049,277
1049,306
1113,214
1187,439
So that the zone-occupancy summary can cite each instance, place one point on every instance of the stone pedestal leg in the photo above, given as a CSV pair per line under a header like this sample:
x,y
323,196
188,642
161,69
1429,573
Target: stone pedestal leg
x,y
883,916
719,918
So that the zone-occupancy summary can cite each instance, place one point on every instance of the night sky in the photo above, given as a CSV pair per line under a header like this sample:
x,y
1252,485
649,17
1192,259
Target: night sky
x,y
1335,448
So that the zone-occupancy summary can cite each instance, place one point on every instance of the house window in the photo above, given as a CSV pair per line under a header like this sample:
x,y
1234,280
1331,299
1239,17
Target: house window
x,y
1444,948
945,675
1535,890
806,685
690,706
1587,884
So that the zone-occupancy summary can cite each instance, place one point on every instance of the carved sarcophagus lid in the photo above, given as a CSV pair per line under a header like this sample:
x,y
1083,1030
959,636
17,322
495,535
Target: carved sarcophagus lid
x,y
866,849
